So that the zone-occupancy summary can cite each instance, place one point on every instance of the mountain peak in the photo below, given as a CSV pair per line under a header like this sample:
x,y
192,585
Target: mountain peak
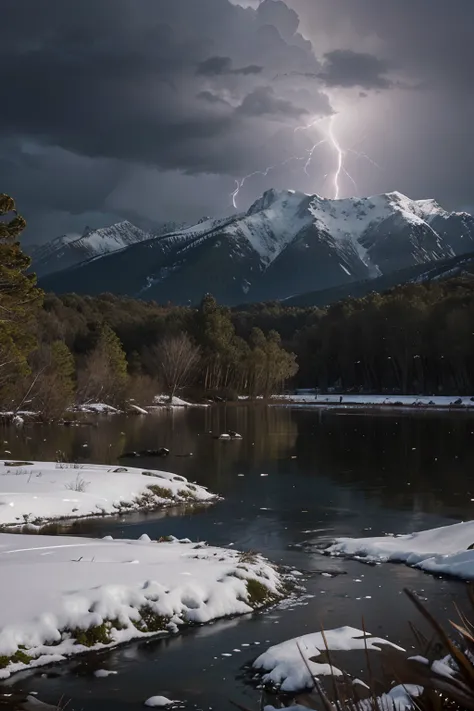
x,y
288,242
272,196
71,249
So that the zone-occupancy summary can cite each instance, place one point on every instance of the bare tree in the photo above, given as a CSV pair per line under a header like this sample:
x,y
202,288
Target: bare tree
x,y
103,376
176,357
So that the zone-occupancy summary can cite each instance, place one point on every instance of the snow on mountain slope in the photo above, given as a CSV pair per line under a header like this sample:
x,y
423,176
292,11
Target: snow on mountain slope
x,y
278,217
108,239
272,223
68,250
286,243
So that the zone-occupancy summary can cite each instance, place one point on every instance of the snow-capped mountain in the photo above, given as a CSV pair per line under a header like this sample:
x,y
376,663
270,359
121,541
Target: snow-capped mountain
x,y
71,249
286,243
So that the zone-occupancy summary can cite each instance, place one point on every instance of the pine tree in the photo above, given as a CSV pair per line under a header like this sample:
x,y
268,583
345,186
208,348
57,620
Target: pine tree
x,y
52,388
104,374
20,299
216,334
269,364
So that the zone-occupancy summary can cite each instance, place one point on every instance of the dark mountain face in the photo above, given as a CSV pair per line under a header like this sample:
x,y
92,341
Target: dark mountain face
x,y
69,250
287,243
461,266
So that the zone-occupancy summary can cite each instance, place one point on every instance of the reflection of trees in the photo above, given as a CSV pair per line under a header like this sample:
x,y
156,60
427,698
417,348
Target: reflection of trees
x,y
419,463
268,433
416,462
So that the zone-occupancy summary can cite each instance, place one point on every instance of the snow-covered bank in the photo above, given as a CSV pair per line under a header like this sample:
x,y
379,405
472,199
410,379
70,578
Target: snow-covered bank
x,y
64,595
412,401
96,408
400,698
164,401
38,492
440,550
286,669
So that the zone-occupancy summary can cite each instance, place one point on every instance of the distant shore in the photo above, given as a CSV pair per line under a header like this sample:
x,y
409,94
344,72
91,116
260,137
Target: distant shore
x,y
378,402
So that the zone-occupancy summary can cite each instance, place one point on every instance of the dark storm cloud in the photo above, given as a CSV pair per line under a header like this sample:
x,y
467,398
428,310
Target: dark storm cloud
x,y
263,101
118,80
422,140
212,98
175,85
430,39
219,66
345,68
278,14
163,102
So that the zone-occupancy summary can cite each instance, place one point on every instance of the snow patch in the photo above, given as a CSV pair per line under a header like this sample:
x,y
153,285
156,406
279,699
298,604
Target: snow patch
x,y
164,401
88,596
286,669
38,492
442,551
159,702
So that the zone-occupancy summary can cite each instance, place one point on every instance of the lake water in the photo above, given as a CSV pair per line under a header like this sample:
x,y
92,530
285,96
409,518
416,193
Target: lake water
x,y
328,475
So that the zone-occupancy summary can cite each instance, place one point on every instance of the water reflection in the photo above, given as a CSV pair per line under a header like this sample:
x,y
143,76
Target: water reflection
x,y
326,475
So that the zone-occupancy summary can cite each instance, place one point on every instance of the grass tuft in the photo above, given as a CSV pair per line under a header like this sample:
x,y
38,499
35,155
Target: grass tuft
x,y
258,593
97,634
151,621
19,657
161,491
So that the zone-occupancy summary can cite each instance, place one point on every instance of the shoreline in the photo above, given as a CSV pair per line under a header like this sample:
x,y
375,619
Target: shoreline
x,y
378,403
124,590
39,494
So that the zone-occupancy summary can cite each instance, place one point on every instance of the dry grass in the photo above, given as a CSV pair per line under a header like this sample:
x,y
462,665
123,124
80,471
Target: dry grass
x,y
448,687
78,484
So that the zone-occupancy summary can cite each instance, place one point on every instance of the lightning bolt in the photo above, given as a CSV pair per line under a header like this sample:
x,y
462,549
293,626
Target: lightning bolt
x,y
330,140
310,156
240,183
305,127
339,156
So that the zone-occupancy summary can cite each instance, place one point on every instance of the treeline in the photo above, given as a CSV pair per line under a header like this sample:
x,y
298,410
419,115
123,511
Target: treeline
x,y
54,351
417,338
57,350
125,348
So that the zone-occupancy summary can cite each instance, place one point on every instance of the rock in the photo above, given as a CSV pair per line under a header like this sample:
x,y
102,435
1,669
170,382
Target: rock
x,y
161,452
234,435
18,464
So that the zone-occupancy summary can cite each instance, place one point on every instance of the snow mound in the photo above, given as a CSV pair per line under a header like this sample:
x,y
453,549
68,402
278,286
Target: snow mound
x,y
443,551
400,698
99,408
164,401
103,673
160,701
38,492
93,594
286,669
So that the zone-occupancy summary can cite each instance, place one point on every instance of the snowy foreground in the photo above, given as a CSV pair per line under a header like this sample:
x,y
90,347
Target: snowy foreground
x,y
64,595
38,492
283,668
412,401
284,665
441,551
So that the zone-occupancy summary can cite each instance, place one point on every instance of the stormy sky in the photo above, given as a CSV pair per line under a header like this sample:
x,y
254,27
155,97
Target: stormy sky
x,y
151,110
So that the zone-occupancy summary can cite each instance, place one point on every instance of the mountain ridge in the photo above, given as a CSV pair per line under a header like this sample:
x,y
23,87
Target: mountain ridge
x,y
70,249
287,242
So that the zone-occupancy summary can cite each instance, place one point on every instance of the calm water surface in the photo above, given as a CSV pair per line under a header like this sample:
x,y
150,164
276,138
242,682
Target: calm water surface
x,y
328,475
